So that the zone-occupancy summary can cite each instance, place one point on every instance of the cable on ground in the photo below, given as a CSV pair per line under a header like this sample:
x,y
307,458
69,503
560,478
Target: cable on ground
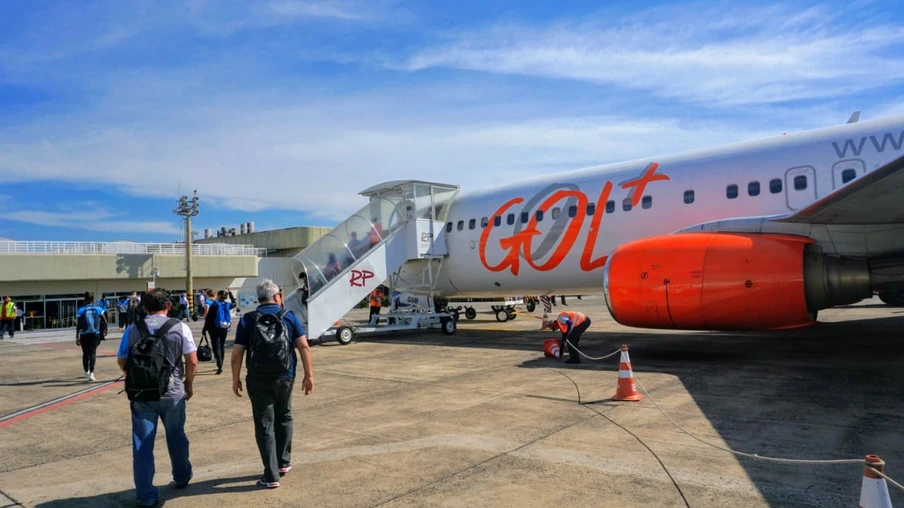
x,y
635,436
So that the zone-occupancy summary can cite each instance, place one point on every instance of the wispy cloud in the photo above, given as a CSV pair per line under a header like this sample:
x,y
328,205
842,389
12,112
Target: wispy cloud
x,y
91,221
724,54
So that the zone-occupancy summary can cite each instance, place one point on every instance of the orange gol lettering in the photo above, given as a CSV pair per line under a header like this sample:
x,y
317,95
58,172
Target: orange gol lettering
x,y
520,243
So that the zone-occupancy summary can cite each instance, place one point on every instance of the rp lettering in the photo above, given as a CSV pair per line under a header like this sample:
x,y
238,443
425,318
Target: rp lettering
x,y
359,278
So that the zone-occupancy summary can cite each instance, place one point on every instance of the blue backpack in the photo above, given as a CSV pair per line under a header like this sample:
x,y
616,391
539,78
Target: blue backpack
x,y
224,318
90,321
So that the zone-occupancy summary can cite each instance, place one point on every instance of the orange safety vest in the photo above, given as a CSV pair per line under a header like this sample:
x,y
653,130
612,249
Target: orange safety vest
x,y
376,298
576,318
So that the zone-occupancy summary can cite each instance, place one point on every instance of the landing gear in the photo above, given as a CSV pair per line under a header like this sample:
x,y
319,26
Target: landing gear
x,y
470,313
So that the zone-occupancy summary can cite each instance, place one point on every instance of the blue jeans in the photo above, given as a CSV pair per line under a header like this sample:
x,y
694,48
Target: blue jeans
x,y
144,432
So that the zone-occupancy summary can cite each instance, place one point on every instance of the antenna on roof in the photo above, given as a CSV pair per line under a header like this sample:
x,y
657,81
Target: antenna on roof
x,y
855,117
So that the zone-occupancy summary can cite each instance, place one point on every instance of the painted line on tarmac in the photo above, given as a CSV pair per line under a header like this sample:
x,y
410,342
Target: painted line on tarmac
x,y
58,402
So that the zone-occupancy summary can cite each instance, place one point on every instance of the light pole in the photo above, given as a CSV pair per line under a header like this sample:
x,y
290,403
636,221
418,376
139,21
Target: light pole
x,y
188,208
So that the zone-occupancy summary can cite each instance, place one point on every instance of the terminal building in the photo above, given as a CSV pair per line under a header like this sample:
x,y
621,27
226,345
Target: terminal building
x,y
48,280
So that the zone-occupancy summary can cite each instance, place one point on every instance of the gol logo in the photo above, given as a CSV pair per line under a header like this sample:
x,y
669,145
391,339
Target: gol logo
x,y
359,278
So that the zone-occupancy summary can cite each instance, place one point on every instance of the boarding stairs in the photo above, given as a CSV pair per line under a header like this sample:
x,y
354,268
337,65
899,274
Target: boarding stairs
x,y
402,222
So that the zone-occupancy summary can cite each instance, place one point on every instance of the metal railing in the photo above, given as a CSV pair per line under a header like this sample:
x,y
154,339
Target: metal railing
x,y
100,248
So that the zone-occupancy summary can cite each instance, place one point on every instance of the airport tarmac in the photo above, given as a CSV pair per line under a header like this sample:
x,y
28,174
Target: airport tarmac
x,y
481,418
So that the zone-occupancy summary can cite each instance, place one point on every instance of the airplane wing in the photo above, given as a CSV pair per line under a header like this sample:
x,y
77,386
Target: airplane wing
x,y
875,198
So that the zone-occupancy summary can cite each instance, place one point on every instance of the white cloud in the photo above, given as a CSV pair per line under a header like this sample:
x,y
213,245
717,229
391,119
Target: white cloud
x,y
316,157
90,221
725,55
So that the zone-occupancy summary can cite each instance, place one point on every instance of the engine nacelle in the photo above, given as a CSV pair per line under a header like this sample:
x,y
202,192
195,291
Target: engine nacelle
x,y
727,281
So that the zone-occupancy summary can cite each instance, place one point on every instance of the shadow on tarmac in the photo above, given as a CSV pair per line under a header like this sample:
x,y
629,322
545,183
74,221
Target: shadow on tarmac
x,y
237,484
830,391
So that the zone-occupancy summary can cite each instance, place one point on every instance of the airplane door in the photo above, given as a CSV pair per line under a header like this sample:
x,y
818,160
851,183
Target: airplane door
x,y
847,170
800,186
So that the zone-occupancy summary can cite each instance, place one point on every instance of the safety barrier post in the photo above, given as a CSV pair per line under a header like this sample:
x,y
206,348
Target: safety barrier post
x,y
874,490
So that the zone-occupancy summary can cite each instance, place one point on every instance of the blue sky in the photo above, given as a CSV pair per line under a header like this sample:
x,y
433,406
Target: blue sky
x,y
281,111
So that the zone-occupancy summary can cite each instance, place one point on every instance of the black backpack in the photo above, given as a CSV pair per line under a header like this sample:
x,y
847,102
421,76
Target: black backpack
x,y
269,350
148,372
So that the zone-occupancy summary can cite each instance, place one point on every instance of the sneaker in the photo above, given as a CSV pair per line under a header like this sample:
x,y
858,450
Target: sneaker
x,y
91,376
87,375
270,485
283,471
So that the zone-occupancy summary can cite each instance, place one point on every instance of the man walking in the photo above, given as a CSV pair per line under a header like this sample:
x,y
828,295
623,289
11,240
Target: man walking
x,y
178,343
8,317
89,331
216,326
183,308
268,335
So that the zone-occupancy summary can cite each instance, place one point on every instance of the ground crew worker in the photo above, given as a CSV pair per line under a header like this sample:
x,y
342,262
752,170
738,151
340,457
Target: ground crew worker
x,y
572,324
8,317
376,301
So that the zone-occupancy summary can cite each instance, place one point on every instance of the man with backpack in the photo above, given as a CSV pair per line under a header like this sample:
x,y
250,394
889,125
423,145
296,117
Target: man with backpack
x,y
89,331
216,326
151,355
268,336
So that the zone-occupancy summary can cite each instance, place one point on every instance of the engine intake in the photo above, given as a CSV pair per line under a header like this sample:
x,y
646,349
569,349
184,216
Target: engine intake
x,y
726,281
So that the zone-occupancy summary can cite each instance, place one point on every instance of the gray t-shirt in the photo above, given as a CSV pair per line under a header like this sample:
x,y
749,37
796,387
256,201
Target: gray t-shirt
x,y
178,341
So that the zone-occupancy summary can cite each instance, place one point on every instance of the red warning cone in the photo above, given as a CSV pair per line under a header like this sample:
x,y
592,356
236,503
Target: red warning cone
x,y
874,490
552,348
627,389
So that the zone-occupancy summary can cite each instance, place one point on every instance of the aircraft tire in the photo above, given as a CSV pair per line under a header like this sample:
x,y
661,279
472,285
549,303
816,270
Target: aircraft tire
x,y
502,316
470,313
530,306
345,335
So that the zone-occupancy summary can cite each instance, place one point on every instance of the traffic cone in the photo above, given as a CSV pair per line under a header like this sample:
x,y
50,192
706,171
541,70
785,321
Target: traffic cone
x,y
874,490
627,389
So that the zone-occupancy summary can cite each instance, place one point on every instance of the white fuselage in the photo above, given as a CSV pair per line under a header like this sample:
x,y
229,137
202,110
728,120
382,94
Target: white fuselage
x,y
563,253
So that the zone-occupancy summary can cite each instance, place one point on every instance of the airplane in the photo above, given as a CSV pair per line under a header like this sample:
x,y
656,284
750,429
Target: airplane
x,y
758,235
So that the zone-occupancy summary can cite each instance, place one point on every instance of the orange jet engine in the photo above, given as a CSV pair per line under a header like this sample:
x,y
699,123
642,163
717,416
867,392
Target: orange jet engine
x,y
728,281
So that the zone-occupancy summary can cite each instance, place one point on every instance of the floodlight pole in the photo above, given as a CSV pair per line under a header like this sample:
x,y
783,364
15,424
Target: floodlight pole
x,y
188,209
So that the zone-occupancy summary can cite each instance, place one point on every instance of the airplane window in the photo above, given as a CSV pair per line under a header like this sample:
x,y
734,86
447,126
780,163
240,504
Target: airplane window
x,y
497,220
510,219
461,225
483,222
753,189
688,196
525,217
591,208
472,223
626,205
539,215
800,182
731,191
448,227
572,211
646,202
847,175
610,206
775,185
555,213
